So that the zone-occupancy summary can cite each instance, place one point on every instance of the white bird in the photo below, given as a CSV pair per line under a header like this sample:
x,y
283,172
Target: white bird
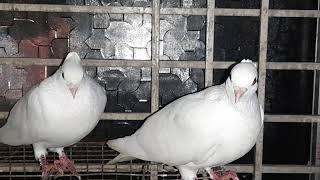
x,y
206,129
58,112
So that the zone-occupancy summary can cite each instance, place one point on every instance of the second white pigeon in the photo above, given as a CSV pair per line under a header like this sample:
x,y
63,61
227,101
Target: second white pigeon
x,y
206,129
59,112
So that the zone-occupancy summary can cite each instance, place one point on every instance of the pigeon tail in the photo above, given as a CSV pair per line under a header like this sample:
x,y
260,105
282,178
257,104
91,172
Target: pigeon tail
x,y
121,158
128,148
116,144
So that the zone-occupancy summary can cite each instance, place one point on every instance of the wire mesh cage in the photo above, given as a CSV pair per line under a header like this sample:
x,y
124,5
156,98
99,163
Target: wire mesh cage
x,y
18,162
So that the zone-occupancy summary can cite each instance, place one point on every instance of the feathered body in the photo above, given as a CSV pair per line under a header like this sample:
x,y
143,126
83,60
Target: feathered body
x,y
197,131
56,113
36,116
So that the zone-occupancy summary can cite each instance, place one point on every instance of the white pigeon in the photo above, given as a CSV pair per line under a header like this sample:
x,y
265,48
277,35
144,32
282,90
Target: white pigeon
x,y
58,112
206,129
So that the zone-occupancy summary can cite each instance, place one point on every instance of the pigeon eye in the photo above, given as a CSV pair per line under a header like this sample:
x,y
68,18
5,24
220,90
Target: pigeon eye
x,y
254,81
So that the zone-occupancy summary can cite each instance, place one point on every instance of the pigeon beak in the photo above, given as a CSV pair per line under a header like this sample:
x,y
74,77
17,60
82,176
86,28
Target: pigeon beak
x,y
73,89
238,92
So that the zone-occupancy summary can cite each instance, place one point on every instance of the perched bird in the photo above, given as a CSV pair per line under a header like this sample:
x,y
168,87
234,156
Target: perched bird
x,y
206,129
58,112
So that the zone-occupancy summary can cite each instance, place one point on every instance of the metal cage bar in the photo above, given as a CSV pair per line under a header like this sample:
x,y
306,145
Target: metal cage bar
x,y
164,11
155,46
209,44
162,64
261,83
315,127
241,168
155,40
269,118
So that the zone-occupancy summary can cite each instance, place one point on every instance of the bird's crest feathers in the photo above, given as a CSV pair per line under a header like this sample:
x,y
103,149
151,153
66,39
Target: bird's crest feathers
x,y
249,61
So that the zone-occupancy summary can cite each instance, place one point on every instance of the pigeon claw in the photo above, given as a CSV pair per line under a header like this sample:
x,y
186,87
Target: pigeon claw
x,y
46,168
58,167
64,164
222,175
214,175
229,175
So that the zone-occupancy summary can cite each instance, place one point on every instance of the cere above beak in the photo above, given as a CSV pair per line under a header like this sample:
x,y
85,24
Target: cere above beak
x,y
238,92
73,89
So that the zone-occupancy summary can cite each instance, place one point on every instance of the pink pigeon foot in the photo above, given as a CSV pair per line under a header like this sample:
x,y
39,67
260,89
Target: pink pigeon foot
x,y
214,175
222,175
227,175
45,167
64,164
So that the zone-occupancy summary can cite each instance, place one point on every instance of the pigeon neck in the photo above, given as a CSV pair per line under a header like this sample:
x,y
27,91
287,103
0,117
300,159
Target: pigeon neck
x,y
230,93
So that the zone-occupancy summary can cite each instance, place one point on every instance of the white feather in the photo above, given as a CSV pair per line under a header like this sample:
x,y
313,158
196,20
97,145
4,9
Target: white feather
x,y
49,117
199,130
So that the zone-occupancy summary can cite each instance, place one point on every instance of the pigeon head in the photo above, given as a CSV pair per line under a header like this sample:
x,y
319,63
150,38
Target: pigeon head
x,y
72,72
243,80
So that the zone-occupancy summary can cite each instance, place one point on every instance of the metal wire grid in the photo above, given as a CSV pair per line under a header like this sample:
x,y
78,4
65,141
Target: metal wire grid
x,y
155,169
90,159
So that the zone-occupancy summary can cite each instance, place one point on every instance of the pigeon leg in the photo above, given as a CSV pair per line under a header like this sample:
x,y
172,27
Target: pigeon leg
x,y
40,154
187,173
214,175
65,164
